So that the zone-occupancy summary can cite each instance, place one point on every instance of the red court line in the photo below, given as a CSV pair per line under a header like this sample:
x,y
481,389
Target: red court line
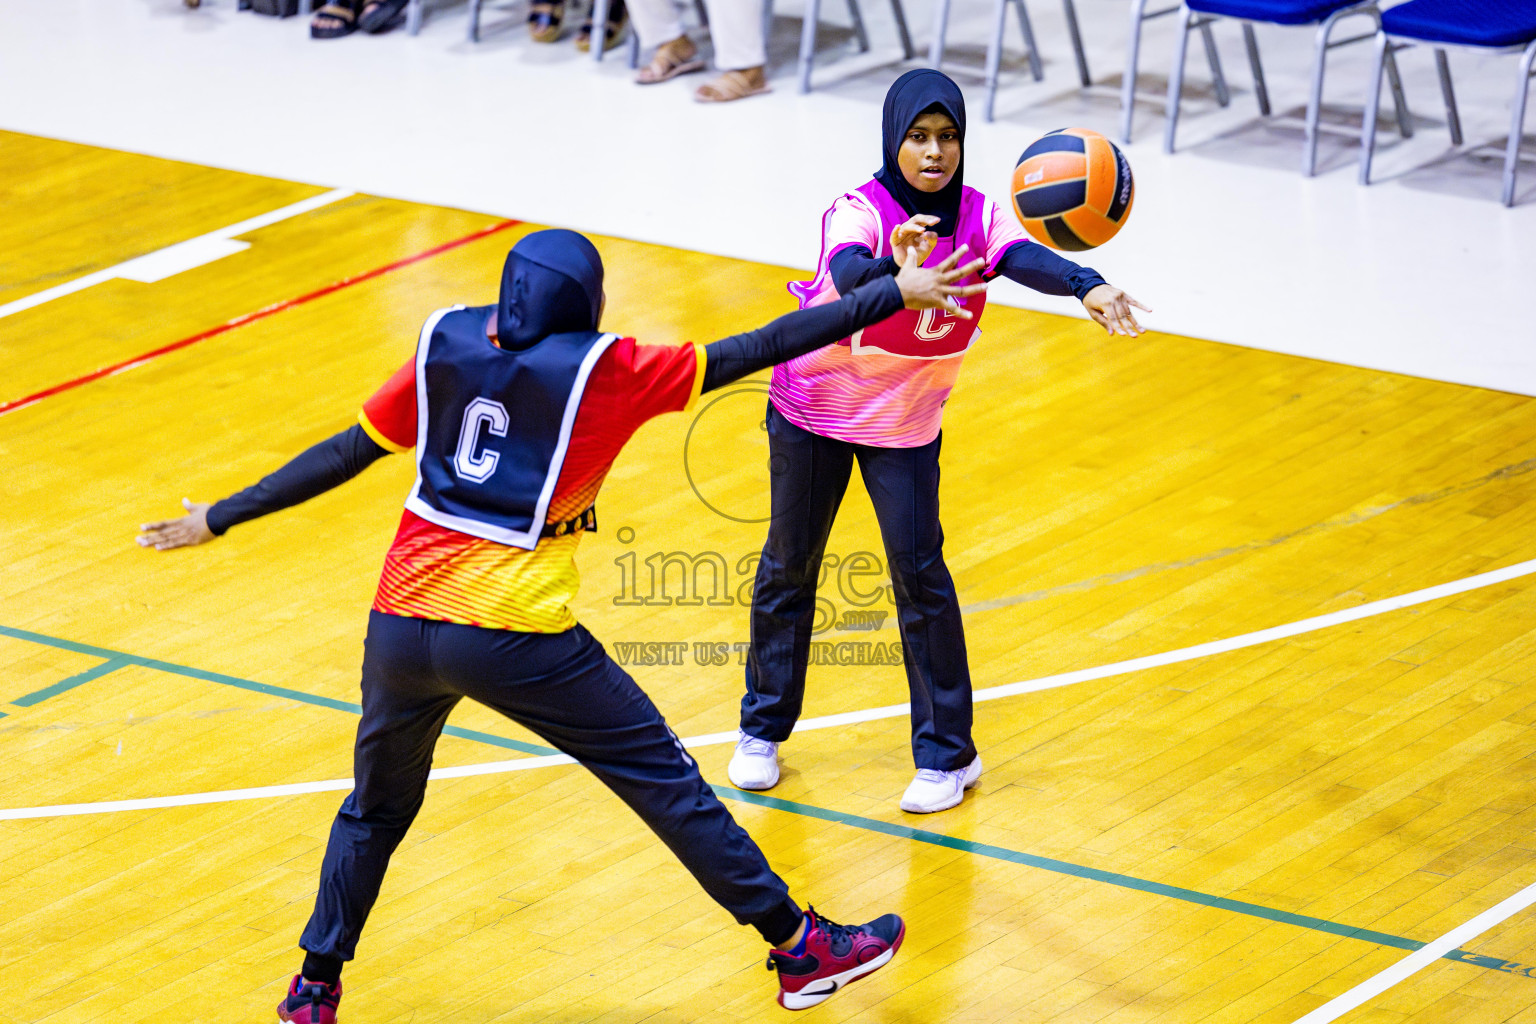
x,y
246,318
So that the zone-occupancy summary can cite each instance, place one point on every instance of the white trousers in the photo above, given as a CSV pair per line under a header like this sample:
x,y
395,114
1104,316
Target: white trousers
x,y
735,26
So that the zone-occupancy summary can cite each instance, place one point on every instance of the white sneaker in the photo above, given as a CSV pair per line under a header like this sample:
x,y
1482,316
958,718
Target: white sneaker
x,y
755,765
934,790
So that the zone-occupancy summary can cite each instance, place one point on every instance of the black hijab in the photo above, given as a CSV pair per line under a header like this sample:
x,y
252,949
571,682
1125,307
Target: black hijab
x,y
552,283
912,95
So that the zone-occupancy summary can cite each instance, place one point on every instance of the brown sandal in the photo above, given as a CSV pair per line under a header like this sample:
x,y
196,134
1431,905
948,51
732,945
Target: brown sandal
x,y
544,20
677,57
733,85
339,11
613,31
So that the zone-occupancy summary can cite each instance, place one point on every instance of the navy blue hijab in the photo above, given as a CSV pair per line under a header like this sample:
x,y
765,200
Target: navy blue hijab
x,y
912,95
552,283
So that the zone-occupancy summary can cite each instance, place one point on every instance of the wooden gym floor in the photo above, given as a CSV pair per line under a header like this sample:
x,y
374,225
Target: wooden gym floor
x,y
1233,832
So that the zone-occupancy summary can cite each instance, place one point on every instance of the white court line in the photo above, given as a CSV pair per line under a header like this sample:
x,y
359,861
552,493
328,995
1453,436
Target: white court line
x,y
1419,959
173,259
1233,643
261,792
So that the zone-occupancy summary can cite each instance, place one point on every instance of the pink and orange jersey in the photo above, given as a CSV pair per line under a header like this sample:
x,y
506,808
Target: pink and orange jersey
x,y
432,572
886,385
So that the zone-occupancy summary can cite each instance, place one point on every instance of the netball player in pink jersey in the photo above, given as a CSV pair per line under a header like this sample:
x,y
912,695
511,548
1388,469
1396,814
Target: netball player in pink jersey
x,y
878,397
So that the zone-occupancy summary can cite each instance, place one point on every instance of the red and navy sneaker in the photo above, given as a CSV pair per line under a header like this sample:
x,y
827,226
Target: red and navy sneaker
x,y
309,1002
835,955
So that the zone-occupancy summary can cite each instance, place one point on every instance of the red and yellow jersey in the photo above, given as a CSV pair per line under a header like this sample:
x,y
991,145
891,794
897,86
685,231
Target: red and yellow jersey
x,y
432,572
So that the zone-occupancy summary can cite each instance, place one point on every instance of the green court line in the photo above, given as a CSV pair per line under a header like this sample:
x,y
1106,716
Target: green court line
x,y
38,696
1062,867
120,659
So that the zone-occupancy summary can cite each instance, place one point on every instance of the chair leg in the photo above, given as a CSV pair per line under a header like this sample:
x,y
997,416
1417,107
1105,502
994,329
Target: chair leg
x,y
1077,44
634,49
1315,96
1223,96
1372,107
857,17
767,22
900,14
940,27
413,18
1399,100
474,21
1260,90
1128,85
599,22
808,42
1176,76
1517,123
1028,32
1448,91
995,51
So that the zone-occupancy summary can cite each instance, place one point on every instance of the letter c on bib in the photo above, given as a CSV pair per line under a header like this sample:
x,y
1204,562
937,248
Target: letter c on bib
x,y
469,463
928,326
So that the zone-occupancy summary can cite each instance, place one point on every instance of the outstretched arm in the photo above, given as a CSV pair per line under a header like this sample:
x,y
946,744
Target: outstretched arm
x,y
806,330
1028,263
328,464
1035,266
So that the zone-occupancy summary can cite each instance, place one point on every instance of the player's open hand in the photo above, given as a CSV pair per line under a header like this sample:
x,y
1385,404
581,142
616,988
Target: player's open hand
x,y
937,287
190,529
1111,309
914,234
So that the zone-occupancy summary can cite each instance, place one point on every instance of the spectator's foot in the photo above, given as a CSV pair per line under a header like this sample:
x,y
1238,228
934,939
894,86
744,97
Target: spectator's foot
x,y
544,20
613,31
678,57
336,19
733,85
381,15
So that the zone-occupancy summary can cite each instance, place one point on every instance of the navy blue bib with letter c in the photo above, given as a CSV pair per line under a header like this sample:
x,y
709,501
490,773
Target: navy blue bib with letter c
x,y
493,425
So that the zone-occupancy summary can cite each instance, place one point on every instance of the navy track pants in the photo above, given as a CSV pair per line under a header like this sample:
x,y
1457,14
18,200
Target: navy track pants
x,y
562,686
809,477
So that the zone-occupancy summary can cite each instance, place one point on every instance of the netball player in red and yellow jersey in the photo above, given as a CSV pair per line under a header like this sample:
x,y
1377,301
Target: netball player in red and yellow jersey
x,y
436,572
516,412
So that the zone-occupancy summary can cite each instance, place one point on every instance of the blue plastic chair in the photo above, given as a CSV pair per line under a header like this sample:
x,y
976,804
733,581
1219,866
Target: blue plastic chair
x,y
1324,14
1498,26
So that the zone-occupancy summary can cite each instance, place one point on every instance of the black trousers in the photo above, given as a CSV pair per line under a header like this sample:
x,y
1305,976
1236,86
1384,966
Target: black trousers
x,y
562,686
809,477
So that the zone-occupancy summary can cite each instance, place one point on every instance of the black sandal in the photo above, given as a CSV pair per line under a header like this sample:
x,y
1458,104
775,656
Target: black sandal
x,y
544,20
337,10
613,32
381,15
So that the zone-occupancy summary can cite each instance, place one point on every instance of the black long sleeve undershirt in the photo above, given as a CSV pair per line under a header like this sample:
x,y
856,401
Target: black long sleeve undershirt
x,y
802,331
1029,263
328,464
341,457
